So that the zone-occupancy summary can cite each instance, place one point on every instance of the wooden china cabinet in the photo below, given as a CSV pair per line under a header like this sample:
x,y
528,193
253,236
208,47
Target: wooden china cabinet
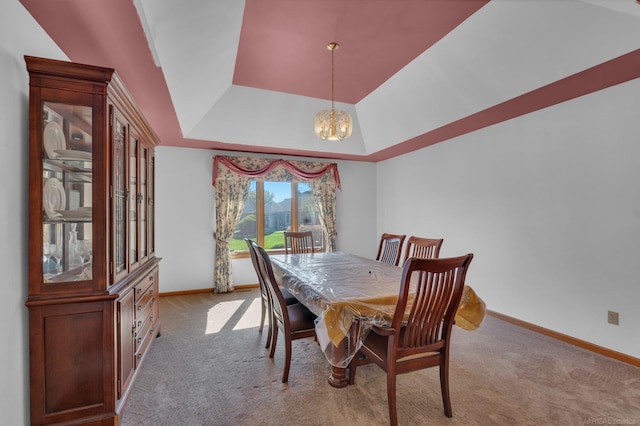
x,y
93,273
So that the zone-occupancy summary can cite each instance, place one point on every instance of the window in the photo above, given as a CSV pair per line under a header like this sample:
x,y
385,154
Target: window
x,y
272,208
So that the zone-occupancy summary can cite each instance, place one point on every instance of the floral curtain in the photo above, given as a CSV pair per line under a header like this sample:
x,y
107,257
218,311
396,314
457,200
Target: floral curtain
x,y
230,197
324,197
231,176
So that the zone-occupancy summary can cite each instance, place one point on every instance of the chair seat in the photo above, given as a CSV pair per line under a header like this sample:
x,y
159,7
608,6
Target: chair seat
x,y
300,317
378,345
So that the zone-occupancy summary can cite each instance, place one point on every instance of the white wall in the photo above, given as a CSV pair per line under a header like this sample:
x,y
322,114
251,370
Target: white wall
x,y
184,205
19,36
356,216
549,203
185,210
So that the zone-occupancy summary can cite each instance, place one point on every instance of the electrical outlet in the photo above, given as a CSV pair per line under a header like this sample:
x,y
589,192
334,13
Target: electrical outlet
x,y
612,317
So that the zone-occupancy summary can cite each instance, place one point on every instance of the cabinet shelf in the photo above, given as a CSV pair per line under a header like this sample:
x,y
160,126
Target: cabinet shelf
x,y
76,274
69,166
62,220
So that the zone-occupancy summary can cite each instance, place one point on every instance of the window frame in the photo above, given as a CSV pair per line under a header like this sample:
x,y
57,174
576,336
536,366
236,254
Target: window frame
x,y
240,254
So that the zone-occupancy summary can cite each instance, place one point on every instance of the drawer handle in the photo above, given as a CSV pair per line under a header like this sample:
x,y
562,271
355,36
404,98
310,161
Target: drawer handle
x,y
151,278
139,340
139,356
139,323
139,308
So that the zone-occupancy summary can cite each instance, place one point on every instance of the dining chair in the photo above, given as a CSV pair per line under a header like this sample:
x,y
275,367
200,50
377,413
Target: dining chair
x,y
295,321
298,242
419,334
390,248
424,248
265,304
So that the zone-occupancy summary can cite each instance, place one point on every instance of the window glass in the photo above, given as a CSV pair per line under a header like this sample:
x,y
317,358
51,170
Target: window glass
x,y
272,208
308,219
247,226
277,213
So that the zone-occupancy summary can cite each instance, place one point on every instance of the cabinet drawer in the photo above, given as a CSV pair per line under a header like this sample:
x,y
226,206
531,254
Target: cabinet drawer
x,y
143,332
144,308
144,302
143,339
145,314
144,287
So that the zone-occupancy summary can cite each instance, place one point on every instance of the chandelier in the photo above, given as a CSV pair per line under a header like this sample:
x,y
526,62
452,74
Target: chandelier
x,y
332,124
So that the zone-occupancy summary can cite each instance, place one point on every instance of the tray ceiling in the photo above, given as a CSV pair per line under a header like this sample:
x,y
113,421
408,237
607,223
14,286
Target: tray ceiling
x,y
250,76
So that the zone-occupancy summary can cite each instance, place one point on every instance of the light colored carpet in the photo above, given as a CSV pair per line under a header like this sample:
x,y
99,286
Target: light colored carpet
x,y
210,367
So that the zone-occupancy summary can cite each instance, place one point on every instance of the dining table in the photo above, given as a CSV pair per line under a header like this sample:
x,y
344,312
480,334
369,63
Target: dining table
x,y
349,294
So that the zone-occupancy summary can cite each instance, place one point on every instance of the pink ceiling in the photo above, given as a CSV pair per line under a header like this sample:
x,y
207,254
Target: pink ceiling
x,y
283,48
283,43
109,34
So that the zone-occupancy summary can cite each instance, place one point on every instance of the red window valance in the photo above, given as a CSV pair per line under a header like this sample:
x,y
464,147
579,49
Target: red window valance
x,y
251,167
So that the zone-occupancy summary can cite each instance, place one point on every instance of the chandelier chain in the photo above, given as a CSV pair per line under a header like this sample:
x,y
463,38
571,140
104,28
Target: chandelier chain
x,y
333,124
332,77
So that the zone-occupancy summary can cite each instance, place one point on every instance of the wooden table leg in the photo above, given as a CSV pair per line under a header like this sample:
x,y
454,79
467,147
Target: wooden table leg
x,y
338,377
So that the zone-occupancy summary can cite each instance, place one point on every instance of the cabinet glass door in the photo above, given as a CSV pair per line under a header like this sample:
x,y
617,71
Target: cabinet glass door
x,y
150,207
67,179
144,164
134,201
119,196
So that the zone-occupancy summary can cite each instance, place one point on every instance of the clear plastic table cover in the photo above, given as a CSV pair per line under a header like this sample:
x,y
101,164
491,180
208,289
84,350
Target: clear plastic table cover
x,y
349,294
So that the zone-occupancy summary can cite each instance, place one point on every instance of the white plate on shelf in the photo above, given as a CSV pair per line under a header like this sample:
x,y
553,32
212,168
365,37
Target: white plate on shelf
x,y
54,197
54,139
70,154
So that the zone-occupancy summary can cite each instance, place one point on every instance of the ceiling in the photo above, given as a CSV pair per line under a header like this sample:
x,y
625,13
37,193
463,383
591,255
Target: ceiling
x,y
250,75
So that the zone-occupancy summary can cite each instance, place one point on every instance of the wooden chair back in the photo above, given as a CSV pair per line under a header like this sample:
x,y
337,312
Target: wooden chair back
x,y
278,304
265,304
298,242
423,248
294,320
438,286
254,261
390,248
432,288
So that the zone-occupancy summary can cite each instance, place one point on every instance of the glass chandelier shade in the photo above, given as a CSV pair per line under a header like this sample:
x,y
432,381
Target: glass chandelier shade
x,y
332,124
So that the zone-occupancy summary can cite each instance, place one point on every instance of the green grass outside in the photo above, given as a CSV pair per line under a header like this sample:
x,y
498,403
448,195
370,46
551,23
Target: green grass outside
x,y
271,241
